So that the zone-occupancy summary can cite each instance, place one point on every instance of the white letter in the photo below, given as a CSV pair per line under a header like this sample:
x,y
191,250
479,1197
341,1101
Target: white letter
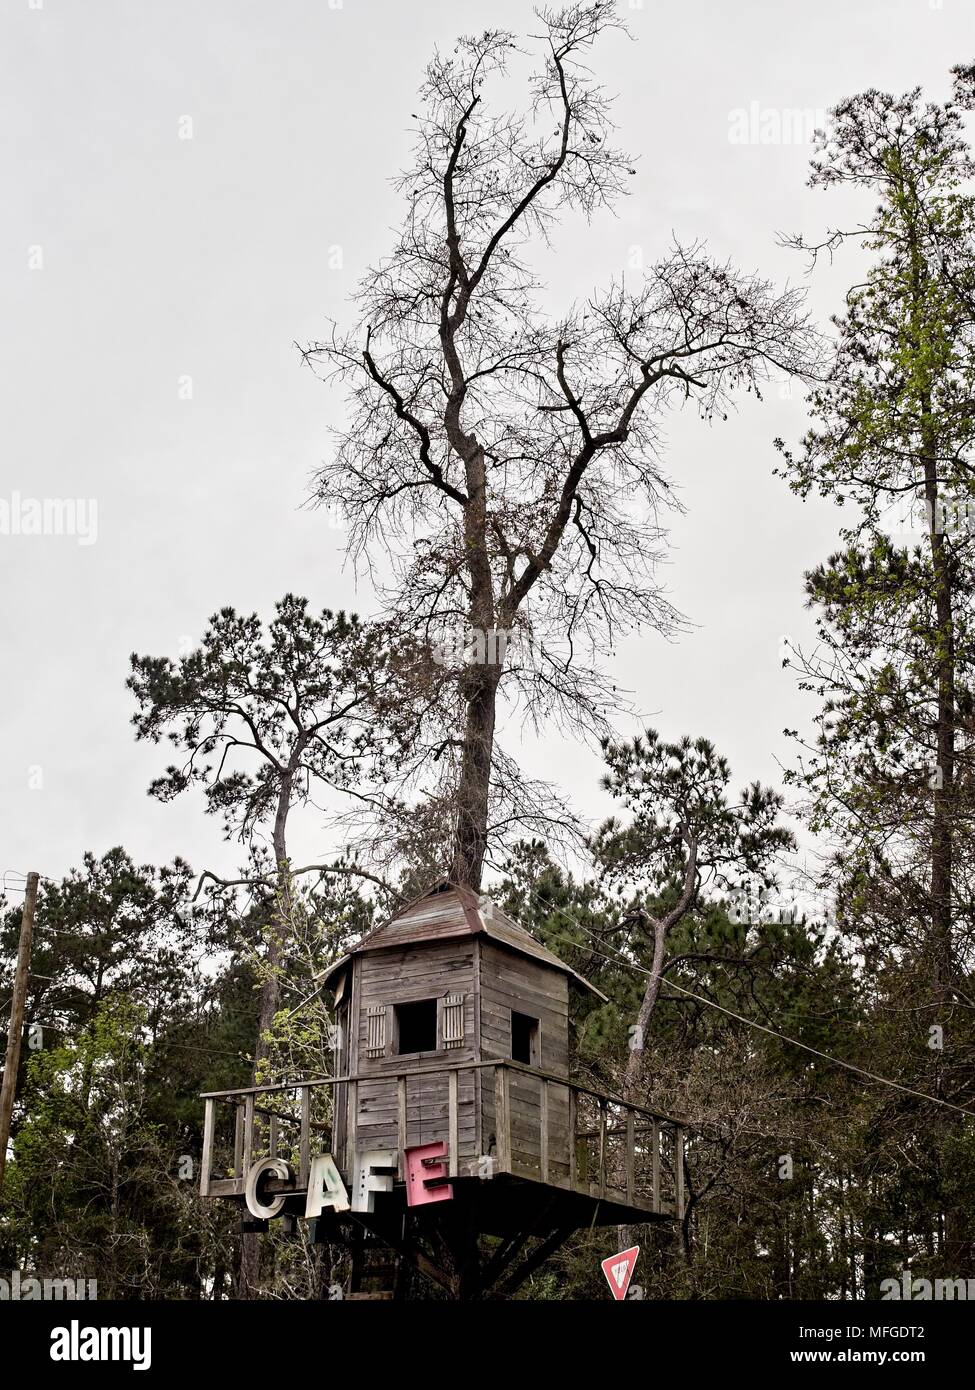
x,y
737,127
325,1187
141,1348
59,1344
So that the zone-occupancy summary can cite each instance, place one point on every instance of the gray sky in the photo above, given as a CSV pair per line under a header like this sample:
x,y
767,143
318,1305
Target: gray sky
x,y
153,287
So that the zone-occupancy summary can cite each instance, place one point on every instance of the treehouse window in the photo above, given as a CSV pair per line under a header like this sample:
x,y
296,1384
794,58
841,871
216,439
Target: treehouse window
x,y
524,1039
416,1026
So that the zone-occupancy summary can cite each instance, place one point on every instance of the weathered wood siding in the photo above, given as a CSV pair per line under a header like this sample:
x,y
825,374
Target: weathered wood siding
x,y
512,982
342,1065
432,970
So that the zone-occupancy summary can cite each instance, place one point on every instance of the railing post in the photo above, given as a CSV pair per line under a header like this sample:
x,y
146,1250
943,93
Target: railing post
x,y
602,1147
573,1124
304,1143
453,1127
502,1117
239,1140
543,1129
630,1156
351,1125
679,1170
206,1162
248,1134
401,1124
272,1136
655,1166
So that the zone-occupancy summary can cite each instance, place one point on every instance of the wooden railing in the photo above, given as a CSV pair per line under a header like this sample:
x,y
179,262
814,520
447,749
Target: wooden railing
x,y
577,1139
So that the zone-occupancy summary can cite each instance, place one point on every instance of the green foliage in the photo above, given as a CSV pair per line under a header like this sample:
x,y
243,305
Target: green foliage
x,y
96,1189
263,713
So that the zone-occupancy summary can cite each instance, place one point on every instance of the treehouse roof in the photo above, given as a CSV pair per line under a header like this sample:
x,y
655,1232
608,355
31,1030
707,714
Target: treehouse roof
x,y
448,912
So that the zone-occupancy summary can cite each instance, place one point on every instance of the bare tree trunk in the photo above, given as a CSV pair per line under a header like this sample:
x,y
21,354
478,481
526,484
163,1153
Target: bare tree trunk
x,y
661,929
480,689
475,778
641,1030
638,1038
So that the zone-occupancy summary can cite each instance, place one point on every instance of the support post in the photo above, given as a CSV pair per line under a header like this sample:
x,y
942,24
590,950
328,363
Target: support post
x,y
248,1135
453,1126
239,1141
538,1256
351,1125
502,1117
304,1143
401,1143
206,1162
543,1129
679,1171
655,1165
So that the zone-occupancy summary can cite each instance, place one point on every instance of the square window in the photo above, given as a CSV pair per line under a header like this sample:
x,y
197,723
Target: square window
x,y
524,1039
416,1026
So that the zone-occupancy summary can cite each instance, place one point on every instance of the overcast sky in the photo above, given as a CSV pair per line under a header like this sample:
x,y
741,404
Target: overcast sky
x,y
181,179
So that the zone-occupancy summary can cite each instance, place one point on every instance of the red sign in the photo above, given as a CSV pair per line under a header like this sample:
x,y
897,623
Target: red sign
x,y
426,1174
619,1270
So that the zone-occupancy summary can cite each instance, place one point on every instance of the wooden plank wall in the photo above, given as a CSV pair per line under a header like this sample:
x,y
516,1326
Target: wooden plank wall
x,y
343,1016
398,976
513,982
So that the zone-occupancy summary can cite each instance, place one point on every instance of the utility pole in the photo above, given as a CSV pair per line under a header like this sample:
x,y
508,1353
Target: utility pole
x,y
16,1027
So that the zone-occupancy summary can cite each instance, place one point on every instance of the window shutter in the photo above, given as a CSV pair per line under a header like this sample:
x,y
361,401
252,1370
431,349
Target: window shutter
x,y
453,1021
376,1030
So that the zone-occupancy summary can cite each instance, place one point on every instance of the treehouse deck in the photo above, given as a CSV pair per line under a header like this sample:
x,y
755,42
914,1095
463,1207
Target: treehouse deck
x,y
523,1149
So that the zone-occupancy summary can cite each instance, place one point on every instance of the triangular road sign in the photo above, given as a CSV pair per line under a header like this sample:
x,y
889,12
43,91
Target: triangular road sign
x,y
619,1270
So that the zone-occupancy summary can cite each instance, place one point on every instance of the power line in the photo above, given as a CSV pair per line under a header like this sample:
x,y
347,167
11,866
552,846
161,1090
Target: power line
x,y
836,1061
749,1022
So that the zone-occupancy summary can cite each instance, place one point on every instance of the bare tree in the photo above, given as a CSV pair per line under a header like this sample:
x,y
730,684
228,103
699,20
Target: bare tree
x,y
510,460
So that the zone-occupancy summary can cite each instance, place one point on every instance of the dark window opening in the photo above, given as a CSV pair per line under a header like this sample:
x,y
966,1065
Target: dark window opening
x,y
524,1039
416,1026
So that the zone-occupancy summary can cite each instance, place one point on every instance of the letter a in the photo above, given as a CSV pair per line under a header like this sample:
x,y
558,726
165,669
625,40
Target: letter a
x,y
325,1187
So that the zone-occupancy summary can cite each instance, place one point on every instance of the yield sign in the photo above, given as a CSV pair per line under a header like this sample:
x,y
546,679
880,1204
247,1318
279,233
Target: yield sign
x,y
619,1270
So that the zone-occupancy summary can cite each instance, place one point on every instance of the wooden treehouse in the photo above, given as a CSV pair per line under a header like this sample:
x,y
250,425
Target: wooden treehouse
x,y
450,1115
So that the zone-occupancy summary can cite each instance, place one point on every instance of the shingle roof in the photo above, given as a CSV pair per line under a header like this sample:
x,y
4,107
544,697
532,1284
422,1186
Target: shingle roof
x,y
451,911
